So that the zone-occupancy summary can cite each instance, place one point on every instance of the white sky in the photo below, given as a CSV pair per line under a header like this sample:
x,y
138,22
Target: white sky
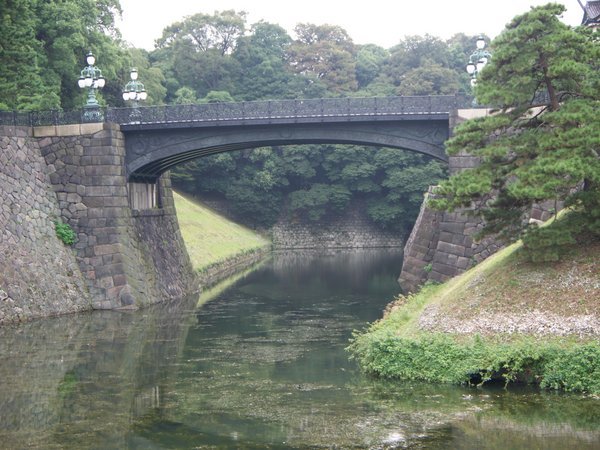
x,y
381,22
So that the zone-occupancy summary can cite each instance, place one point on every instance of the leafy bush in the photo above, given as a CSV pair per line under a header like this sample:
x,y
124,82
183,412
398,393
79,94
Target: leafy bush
x,y
576,369
434,357
64,232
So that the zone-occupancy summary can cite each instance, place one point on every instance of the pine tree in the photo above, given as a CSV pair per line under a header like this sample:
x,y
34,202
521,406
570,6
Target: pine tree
x,y
543,141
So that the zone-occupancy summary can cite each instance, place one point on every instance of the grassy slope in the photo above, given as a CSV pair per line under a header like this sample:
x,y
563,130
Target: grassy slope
x,y
507,283
427,336
211,238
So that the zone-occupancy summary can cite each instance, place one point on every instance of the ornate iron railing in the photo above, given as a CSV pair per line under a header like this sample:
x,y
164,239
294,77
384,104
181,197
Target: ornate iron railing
x,y
272,110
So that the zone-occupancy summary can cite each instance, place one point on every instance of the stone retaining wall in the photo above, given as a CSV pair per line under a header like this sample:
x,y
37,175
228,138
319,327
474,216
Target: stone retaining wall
x,y
235,264
421,247
164,256
441,244
128,259
122,258
39,275
349,230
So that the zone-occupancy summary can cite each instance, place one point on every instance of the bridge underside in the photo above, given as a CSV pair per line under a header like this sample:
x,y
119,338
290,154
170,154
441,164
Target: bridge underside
x,y
151,152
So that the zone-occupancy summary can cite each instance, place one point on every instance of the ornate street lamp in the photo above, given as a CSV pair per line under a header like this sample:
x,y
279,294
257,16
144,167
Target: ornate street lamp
x,y
477,61
134,92
91,79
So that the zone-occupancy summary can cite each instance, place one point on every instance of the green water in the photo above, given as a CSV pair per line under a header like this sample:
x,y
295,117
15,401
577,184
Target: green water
x,y
258,363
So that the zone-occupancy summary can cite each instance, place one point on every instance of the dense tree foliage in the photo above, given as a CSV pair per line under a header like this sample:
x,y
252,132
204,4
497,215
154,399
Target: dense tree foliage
x,y
324,54
262,56
311,182
21,56
314,182
43,46
219,58
532,154
197,52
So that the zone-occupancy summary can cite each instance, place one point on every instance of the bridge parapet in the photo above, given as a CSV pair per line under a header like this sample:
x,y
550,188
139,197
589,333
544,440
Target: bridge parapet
x,y
281,111
285,111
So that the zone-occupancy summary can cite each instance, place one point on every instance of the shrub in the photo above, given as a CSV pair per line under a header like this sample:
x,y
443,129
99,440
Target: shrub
x,y
444,358
576,369
64,232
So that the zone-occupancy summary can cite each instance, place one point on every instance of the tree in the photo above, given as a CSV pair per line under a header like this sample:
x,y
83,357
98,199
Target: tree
x,y
325,53
531,154
369,60
319,200
414,52
197,52
217,97
21,84
67,30
185,96
43,46
430,80
262,55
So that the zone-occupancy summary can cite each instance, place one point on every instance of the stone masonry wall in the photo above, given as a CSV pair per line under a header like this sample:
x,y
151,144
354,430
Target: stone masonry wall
x,y
127,261
350,230
455,249
420,247
441,244
39,275
165,257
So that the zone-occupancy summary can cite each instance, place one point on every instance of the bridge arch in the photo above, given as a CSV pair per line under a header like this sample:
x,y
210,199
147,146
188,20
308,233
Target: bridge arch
x,y
174,135
150,153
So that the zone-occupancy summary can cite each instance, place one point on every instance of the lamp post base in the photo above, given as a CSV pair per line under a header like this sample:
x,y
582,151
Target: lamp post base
x,y
92,114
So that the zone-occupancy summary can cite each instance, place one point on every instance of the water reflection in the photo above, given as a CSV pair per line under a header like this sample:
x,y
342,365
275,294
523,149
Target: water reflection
x,y
77,381
259,364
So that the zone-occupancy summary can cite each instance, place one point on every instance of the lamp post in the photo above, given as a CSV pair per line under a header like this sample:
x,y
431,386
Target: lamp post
x,y
134,92
91,79
477,61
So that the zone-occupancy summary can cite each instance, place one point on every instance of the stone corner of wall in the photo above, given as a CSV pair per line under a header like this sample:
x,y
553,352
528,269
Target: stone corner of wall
x,y
16,131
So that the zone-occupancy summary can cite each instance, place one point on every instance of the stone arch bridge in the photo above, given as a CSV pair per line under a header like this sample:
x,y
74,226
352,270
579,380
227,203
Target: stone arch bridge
x,y
109,184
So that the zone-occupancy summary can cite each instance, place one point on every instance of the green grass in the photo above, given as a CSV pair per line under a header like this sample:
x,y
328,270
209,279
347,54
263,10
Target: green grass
x,y
398,347
211,238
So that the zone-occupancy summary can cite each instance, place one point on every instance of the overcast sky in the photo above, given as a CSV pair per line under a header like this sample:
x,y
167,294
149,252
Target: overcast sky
x,y
381,22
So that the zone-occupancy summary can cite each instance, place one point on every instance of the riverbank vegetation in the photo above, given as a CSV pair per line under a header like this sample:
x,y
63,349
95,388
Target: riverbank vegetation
x,y
506,319
210,238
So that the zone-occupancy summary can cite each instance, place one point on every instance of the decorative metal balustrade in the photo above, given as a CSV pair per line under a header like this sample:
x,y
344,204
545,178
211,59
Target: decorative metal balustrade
x,y
248,112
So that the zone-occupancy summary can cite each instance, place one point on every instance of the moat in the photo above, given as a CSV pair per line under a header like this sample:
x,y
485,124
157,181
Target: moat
x,y
258,362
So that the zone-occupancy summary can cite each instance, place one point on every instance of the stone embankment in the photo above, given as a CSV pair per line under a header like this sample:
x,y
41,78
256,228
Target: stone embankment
x,y
122,257
39,275
223,269
349,230
443,244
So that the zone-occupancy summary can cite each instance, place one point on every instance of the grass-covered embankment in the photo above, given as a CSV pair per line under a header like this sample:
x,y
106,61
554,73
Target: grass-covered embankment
x,y
505,319
212,241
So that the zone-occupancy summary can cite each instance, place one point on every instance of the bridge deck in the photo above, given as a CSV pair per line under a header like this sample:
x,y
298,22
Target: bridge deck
x,y
257,112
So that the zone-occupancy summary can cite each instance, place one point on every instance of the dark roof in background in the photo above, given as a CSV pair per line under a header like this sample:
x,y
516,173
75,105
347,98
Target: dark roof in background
x,y
591,12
